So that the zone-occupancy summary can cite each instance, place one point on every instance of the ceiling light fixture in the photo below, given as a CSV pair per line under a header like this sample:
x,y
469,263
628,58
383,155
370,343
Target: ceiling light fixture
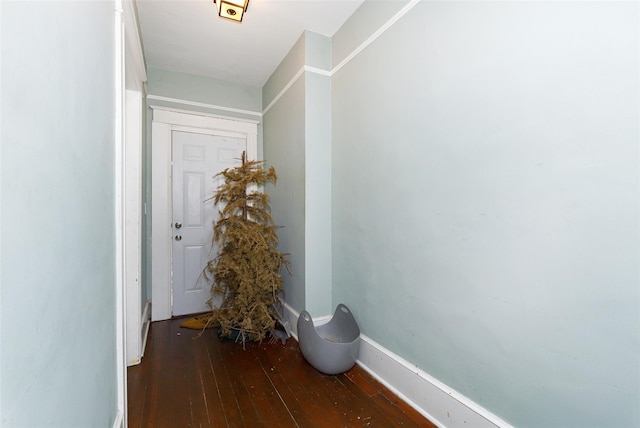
x,y
231,9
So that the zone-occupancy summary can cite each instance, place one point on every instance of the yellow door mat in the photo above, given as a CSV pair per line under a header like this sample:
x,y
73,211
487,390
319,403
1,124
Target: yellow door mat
x,y
200,322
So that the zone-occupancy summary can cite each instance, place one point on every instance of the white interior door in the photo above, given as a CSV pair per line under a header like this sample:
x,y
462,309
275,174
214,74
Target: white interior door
x,y
197,158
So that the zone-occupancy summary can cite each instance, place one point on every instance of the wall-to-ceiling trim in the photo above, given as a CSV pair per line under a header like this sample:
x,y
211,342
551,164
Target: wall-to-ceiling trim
x,y
346,60
203,105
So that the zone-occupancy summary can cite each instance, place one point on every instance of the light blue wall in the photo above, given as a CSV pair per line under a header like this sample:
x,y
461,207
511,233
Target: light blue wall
x,y
58,338
297,141
206,90
318,176
284,149
485,202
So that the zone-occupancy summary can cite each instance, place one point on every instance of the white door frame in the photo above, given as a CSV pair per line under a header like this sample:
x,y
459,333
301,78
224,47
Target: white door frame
x,y
119,76
129,76
137,324
166,120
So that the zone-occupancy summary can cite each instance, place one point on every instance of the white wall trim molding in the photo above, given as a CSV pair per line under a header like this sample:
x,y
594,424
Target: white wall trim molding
x,y
132,164
163,123
433,399
204,105
146,325
284,90
316,70
375,35
133,43
119,205
118,422
201,113
291,315
300,72
356,51
143,334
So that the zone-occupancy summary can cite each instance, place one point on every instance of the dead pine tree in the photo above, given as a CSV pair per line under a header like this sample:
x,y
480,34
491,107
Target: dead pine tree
x,y
246,273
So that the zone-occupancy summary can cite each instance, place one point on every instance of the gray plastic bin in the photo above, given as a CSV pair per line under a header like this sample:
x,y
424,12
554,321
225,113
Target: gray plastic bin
x,y
333,347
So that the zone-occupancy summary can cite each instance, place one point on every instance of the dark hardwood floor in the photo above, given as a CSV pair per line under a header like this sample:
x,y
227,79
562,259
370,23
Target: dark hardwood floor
x,y
184,381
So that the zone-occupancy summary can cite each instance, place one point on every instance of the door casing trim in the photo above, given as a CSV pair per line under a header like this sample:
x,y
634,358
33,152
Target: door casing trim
x,y
164,122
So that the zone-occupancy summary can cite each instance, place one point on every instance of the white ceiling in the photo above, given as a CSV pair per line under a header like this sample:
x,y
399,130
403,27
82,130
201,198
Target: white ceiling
x,y
187,35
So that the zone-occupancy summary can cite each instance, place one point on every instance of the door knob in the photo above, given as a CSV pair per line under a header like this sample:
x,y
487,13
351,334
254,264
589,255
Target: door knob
x,y
178,238
178,225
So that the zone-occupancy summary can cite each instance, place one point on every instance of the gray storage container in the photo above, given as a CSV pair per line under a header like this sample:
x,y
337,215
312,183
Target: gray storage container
x,y
333,347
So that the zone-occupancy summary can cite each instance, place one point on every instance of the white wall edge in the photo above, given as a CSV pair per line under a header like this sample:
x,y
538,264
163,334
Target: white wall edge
x,y
291,316
118,422
283,90
433,399
375,35
201,113
197,104
133,40
301,71
146,325
119,206
316,70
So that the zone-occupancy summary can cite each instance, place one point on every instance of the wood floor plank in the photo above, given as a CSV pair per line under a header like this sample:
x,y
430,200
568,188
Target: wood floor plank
x,y
268,403
289,373
239,366
173,398
212,397
194,367
363,380
224,380
292,403
185,381
158,340
333,404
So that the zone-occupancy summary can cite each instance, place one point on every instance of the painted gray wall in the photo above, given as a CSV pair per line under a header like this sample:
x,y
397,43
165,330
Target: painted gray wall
x,y
297,143
58,354
485,202
318,176
284,149
202,89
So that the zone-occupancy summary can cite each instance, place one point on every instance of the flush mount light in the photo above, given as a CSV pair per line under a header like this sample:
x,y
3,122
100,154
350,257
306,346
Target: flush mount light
x,y
231,9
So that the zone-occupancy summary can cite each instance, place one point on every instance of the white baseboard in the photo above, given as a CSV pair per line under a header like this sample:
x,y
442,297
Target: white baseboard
x,y
438,402
146,323
433,399
119,420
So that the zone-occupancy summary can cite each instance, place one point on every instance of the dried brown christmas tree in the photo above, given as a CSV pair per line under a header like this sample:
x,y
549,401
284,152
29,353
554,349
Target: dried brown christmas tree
x,y
246,271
